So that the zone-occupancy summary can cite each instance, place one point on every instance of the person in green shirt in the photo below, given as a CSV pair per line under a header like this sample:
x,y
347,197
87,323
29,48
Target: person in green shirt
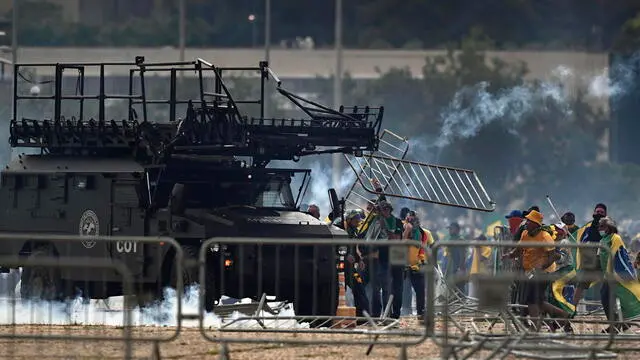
x,y
383,277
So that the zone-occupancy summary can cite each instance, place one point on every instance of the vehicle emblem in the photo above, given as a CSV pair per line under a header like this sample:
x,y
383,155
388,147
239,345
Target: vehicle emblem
x,y
89,226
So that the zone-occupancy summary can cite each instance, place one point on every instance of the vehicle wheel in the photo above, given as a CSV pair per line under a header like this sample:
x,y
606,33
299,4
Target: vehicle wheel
x,y
39,282
189,275
156,293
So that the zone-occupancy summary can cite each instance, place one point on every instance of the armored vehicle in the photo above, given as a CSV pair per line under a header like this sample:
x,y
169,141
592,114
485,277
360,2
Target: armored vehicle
x,y
189,176
198,169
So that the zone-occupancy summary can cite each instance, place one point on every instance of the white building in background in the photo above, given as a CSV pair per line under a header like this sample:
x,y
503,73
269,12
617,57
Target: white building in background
x,y
309,63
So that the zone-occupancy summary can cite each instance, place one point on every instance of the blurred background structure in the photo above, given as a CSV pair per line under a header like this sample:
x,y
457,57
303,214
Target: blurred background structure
x,y
540,97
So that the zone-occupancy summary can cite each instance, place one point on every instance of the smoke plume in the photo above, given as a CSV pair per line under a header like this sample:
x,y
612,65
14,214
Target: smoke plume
x,y
616,81
474,107
321,182
110,312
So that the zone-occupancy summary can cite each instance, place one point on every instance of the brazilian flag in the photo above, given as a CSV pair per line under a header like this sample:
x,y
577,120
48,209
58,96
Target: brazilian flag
x,y
561,293
575,238
628,287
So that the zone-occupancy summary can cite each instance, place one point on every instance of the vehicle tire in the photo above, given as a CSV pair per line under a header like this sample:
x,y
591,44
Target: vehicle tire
x,y
40,282
189,275
156,293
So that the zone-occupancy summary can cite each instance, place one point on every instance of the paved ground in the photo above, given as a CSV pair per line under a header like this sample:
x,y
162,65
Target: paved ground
x,y
192,345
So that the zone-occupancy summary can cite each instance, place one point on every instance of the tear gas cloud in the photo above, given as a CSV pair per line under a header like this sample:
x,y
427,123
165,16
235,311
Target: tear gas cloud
x,y
320,183
616,81
110,313
474,107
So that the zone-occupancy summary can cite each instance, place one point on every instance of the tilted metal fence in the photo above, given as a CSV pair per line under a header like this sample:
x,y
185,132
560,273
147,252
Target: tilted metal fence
x,y
285,291
490,325
31,328
302,276
55,298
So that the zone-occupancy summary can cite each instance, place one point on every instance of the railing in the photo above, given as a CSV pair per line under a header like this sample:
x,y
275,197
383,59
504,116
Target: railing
x,y
302,275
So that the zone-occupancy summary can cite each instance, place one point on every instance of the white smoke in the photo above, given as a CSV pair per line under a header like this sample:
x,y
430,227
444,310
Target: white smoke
x,y
474,107
111,312
320,183
616,81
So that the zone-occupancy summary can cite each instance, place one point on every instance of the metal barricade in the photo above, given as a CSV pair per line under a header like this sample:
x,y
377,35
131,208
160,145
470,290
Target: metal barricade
x,y
37,328
391,145
305,273
492,328
101,315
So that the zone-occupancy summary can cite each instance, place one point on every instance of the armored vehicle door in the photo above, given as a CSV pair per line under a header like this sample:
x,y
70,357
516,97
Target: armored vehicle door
x,y
127,219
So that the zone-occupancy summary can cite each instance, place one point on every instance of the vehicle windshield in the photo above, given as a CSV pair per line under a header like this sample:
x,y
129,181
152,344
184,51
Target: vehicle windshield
x,y
274,194
263,192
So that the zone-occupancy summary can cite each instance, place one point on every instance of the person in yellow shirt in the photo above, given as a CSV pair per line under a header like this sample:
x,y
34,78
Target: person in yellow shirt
x,y
480,264
536,260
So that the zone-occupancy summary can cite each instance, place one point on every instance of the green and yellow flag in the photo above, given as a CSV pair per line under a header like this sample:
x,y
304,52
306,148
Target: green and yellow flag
x,y
628,287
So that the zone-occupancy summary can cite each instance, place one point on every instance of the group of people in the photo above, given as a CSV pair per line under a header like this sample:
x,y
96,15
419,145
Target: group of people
x,y
569,272
370,275
556,278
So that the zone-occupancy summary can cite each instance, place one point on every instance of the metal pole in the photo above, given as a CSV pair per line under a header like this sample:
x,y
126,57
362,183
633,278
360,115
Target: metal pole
x,y
182,24
14,60
267,30
14,32
267,47
337,86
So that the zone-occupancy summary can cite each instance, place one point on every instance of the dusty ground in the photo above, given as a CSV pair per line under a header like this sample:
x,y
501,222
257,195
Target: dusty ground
x,y
192,345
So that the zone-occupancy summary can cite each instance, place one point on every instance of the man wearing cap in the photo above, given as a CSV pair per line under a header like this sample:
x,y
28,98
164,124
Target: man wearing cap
x,y
383,277
537,260
587,259
515,219
370,211
354,265
413,231
523,225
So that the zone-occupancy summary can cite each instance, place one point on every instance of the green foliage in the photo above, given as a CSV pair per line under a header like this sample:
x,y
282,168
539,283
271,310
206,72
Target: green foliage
x,y
379,24
628,40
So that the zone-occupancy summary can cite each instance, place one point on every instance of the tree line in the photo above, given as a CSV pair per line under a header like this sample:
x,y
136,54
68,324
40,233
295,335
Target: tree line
x,y
542,24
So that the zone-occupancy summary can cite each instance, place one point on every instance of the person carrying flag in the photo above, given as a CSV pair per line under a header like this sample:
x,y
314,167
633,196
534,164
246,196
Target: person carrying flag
x,y
561,290
586,259
628,288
